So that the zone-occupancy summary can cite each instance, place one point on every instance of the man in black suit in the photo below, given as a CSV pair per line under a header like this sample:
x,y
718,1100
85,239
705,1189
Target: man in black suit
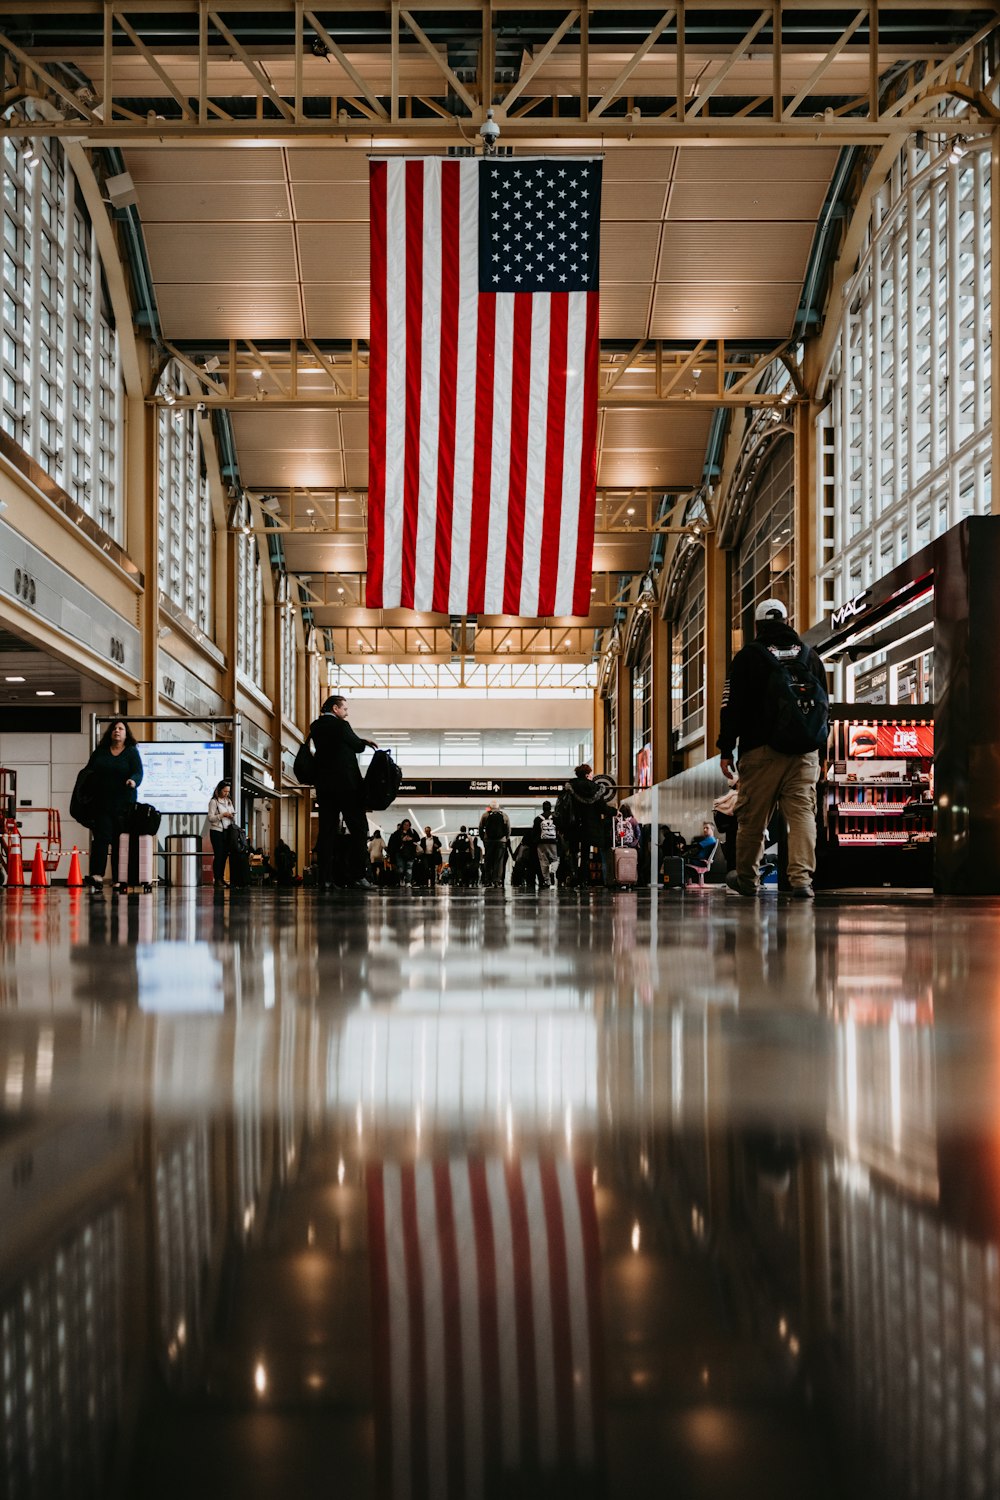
x,y
339,791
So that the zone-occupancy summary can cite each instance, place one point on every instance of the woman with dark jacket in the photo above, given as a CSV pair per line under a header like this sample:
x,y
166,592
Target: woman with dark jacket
x,y
591,827
339,790
113,773
221,816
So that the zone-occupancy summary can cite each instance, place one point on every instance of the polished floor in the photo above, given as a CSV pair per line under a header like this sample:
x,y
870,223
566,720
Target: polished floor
x,y
498,1194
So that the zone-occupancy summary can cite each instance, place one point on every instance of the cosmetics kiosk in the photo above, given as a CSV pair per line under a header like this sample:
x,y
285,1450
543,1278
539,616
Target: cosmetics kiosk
x,y
911,793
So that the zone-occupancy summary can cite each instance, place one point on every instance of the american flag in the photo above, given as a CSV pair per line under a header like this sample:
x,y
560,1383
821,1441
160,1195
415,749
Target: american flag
x,y
483,384
486,1313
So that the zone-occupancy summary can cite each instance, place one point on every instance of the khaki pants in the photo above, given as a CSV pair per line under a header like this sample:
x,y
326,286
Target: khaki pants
x,y
770,780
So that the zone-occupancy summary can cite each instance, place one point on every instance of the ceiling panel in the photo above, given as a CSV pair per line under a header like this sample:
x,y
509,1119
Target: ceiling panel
x,y
354,426
335,311
206,164
208,202
628,252
736,255
624,311
688,311
221,252
340,251
723,200
229,311
334,202
637,470
639,163
342,164
634,430
787,164
632,200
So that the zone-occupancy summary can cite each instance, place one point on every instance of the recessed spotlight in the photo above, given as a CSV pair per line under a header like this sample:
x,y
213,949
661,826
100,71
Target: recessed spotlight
x,y
44,693
14,679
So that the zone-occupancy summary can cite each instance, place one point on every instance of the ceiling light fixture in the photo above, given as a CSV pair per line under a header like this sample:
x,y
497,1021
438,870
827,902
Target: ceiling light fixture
x,y
44,693
15,679
959,147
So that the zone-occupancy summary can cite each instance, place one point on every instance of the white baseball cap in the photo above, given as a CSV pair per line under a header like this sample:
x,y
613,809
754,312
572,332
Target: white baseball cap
x,y
770,609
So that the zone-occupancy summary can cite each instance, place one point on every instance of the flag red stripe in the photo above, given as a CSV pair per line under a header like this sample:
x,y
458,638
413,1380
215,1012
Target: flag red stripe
x,y
520,413
380,1330
414,330
450,286
448,1248
562,1337
524,1316
482,462
489,1330
588,464
376,387
418,1361
592,1285
555,439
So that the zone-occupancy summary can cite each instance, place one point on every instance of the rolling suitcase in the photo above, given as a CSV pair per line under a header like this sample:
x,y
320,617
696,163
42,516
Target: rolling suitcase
x,y
238,848
672,872
626,865
136,852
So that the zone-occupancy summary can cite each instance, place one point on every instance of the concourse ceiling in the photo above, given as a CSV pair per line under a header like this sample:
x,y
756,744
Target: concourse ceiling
x,y
247,131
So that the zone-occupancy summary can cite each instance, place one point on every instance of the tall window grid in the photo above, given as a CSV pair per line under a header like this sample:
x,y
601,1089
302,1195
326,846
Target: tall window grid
x,y
249,600
642,694
186,534
61,397
764,561
687,656
904,445
288,648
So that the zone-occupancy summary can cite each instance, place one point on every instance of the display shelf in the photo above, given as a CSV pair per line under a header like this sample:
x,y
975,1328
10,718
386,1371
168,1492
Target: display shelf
x,y
874,809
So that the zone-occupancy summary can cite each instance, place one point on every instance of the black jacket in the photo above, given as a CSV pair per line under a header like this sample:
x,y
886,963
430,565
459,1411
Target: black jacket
x,y
593,817
744,698
337,749
108,775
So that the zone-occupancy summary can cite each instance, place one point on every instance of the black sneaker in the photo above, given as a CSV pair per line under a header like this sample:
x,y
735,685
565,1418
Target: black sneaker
x,y
802,892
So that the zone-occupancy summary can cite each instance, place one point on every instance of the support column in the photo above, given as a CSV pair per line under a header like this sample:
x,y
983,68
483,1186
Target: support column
x,y
804,608
599,756
660,695
718,645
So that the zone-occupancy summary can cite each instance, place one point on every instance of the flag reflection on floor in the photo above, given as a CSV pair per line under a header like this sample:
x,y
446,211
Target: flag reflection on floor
x,y
485,1294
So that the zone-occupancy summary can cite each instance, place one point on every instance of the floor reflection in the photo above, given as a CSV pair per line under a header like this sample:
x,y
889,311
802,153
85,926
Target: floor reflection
x,y
463,1196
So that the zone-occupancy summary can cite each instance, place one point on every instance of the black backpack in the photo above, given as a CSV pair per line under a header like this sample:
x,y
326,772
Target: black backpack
x,y
142,817
382,782
796,704
495,826
564,812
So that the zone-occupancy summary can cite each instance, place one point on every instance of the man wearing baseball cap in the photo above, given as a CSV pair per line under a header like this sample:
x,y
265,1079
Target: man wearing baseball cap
x,y
775,707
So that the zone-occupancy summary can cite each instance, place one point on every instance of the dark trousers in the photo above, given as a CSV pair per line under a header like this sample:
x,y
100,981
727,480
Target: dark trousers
x,y
333,806
108,827
220,848
496,861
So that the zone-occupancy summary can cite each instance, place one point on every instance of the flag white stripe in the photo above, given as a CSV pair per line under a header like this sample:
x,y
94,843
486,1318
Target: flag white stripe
x,y
541,1302
503,391
465,422
395,379
472,1360
510,1417
399,1332
534,494
430,387
576,1282
434,1352
569,519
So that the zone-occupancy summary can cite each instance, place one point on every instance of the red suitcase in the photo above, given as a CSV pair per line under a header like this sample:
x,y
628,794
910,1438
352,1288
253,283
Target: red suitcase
x,y
136,857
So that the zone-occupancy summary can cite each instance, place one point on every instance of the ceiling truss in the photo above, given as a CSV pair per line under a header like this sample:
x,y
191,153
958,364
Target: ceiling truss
x,y
303,375
283,70
485,643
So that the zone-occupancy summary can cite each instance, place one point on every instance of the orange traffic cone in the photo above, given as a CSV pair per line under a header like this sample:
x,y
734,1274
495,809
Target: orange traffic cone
x,y
15,864
74,878
39,879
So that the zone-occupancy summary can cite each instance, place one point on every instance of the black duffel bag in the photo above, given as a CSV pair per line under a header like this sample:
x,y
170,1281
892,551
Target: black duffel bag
x,y
382,782
143,817
303,765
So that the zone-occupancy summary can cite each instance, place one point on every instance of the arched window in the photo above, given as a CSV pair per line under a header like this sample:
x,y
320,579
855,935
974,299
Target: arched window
x,y
186,534
764,556
61,398
686,615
